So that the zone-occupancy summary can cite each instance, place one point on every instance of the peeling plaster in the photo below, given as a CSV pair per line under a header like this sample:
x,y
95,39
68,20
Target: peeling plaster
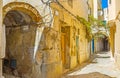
x,y
42,9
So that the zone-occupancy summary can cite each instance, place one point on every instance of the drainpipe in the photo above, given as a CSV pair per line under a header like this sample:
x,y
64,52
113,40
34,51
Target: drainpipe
x,y
37,39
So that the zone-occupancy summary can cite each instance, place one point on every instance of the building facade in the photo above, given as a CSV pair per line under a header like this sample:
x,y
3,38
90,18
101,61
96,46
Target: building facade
x,y
73,40
41,39
114,29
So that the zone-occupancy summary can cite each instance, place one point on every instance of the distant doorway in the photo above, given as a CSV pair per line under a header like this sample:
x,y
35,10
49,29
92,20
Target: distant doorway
x,y
106,44
77,48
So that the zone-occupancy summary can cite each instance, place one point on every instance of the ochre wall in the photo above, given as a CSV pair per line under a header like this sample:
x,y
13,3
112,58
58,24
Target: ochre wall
x,y
77,29
50,44
117,44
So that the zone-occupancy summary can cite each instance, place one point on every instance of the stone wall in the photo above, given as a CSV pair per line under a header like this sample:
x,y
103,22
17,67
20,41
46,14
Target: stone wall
x,y
78,49
20,46
2,53
48,62
117,44
51,64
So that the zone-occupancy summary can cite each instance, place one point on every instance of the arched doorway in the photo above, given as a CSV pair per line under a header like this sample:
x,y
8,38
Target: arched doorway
x,y
102,42
20,26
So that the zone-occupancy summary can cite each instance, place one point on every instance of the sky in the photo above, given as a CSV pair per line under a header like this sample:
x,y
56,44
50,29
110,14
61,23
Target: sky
x,y
104,3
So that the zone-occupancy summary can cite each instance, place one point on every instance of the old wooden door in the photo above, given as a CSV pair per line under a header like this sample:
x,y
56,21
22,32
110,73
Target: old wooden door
x,y
63,49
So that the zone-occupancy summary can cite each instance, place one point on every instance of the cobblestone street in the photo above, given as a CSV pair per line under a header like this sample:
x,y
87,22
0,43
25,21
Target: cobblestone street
x,y
101,67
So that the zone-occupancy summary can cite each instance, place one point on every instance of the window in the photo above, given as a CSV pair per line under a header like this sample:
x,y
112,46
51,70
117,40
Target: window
x,y
70,3
109,1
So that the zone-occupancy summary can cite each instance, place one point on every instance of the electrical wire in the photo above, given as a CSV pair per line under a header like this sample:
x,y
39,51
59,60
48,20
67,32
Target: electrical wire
x,y
45,2
65,8
50,15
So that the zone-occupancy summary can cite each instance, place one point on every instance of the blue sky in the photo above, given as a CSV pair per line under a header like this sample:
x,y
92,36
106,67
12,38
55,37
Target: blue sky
x,y
104,3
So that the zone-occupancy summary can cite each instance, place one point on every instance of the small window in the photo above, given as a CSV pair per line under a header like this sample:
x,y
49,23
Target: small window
x,y
70,3
109,1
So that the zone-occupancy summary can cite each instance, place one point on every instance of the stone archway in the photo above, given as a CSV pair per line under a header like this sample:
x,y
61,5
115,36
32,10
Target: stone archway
x,y
24,7
19,19
102,42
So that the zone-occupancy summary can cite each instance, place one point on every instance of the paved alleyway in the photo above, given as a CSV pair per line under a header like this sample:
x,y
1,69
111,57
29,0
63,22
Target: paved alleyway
x,y
101,67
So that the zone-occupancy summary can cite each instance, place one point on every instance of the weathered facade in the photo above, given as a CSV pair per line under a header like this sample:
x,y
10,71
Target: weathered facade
x,y
42,41
24,22
74,43
99,32
114,12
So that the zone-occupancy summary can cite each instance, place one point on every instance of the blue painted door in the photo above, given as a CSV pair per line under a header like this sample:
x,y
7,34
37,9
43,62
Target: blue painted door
x,y
92,45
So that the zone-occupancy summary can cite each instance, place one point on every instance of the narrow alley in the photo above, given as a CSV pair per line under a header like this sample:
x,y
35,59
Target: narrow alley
x,y
101,67
59,38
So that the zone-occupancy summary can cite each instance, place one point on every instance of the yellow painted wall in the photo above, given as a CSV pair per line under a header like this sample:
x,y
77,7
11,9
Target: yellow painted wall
x,y
52,66
112,39
76,29
79,7
117,44
114,9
